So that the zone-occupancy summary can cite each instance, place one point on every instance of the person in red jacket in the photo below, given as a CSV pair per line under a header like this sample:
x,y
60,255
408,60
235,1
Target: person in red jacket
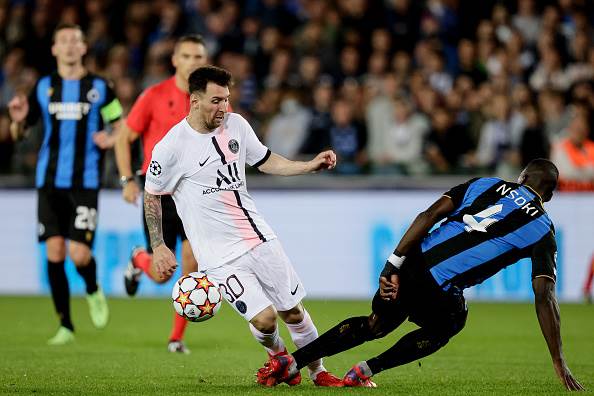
x,y
156,110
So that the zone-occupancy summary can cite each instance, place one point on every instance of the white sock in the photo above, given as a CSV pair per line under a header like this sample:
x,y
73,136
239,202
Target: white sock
x,y
272,342
302,334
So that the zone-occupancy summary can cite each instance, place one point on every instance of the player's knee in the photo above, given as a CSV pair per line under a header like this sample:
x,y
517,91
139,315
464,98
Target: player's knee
x,y
80,256
265,321
293,315
376,327
56,249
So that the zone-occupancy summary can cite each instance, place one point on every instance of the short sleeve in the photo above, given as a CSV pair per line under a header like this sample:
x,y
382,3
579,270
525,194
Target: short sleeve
x,y
163,173
111,110
458,192
544,257
34,107
256,152
140,115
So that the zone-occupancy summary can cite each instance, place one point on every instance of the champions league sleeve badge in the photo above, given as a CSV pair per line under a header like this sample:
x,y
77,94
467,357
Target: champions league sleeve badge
x,y
155,168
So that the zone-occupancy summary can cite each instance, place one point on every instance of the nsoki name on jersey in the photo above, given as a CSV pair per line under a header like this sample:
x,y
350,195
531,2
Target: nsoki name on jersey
x,y
69,110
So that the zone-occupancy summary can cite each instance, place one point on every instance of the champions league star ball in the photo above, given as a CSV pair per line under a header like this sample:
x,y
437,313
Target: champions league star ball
x,y
195,297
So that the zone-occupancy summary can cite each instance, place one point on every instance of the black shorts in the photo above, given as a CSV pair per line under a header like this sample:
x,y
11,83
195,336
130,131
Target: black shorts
x,y
172,224
71,214
421,300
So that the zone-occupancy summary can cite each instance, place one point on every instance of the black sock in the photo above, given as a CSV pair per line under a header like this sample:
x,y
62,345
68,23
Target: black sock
x,y
346,335
60,292
414,345
89,274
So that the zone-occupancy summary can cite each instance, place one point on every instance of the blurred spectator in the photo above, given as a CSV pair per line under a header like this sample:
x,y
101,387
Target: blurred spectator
x,y
550,73
495,140
317,138
403,142
348,138
555,114
287,130
380,116
526,21
446,143
534,143
574,156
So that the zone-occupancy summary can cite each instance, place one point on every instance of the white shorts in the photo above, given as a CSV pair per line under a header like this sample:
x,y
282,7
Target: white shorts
x,y
261,277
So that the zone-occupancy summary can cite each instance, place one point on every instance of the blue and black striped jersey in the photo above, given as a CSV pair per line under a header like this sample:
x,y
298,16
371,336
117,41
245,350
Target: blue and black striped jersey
x,y
71,111
495,223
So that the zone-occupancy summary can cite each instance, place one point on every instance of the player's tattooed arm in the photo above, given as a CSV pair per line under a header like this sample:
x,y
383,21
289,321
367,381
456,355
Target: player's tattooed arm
x,y
154,215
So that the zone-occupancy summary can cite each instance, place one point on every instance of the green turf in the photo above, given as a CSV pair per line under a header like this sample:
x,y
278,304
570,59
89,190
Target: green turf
x,y
501,351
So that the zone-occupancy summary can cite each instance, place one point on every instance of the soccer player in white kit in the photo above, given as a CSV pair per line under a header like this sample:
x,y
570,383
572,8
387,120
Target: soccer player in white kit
x,y
201,163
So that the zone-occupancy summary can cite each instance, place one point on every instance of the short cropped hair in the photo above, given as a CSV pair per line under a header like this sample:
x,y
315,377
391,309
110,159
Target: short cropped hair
x,y
200,78
190,38
63,26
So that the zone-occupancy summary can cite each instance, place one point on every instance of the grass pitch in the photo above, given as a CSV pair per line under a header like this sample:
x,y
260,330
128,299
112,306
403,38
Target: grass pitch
x,y
501,351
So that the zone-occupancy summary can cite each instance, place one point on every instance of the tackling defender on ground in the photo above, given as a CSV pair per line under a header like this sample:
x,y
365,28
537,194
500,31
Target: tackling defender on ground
x,y
489,224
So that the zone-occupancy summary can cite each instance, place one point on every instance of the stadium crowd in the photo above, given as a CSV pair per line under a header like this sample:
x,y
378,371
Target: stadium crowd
x,y
393,86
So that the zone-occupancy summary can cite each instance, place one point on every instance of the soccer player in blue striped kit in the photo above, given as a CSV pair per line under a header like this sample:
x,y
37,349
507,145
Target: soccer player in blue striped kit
x,y
73,106
489,224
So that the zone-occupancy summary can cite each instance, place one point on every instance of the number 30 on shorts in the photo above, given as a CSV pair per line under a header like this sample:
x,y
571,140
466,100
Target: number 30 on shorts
x,y
86,218
232,288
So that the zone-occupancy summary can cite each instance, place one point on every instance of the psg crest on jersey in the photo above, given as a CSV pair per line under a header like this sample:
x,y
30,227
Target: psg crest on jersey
x,y
233,146
155,168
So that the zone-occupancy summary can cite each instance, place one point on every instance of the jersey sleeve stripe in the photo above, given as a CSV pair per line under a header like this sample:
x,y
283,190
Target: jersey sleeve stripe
x,y
263,160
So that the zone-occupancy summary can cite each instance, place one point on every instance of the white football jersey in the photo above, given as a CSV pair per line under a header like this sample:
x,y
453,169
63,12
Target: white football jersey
x,y
205,173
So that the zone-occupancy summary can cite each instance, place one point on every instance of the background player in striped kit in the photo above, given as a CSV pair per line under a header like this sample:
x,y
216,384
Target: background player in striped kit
x,y
73,105
159,108
489,224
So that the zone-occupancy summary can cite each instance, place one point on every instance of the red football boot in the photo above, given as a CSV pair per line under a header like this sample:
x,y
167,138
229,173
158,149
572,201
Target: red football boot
x,y
265,378
325,378
277,370
355,378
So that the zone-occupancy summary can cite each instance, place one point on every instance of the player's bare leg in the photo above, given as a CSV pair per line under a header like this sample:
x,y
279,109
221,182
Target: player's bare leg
x,y
87,268
303,331
56,254
189,264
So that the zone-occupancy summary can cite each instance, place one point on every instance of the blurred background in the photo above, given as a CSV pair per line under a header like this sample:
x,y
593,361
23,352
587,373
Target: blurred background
x,y
414,96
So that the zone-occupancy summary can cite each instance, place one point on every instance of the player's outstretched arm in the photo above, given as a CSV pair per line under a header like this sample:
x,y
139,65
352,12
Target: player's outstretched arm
x,y
547,311
163,258
280,166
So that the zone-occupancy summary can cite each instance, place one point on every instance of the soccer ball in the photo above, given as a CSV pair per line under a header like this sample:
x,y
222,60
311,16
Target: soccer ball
x,y
195,297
